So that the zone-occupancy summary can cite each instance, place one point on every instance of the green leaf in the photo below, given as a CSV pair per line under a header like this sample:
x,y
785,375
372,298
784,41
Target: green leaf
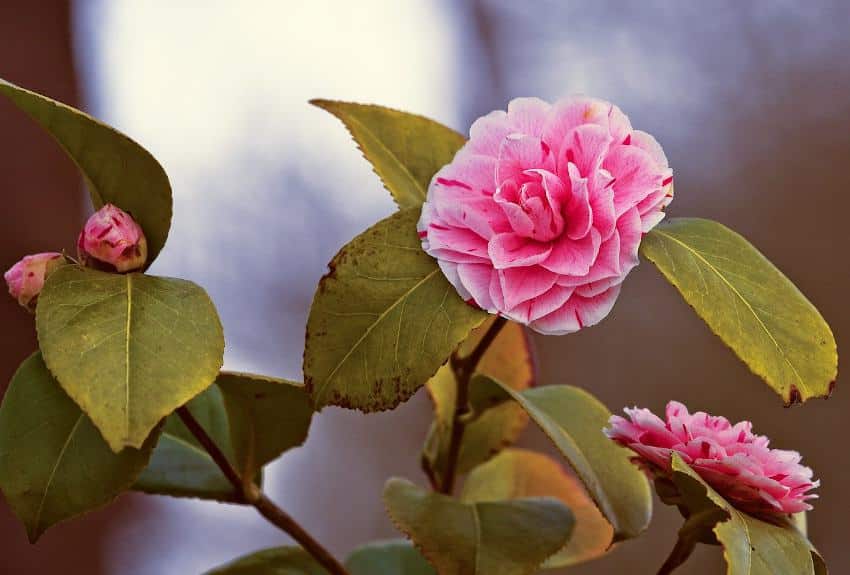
x,y
396,557
275,561
383,320
517,473
749,304
405,150
54,464
573,419
751,546
505,537
180,466
129,349
267,417
509,359
117,169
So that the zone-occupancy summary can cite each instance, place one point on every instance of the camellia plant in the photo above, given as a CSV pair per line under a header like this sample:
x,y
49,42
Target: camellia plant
x,y
533,223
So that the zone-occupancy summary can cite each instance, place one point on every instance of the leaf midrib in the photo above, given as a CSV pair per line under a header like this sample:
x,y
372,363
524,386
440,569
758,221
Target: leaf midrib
x,y
50,479
779,348
127,358
372,326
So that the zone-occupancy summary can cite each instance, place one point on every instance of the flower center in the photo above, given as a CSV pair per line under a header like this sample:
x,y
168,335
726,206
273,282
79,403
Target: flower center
x,y
533,211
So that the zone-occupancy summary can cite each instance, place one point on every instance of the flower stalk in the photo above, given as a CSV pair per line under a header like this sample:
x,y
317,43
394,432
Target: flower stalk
x,y
464,368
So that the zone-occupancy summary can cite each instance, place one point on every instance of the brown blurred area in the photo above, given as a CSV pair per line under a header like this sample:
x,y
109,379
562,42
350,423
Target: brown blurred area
x,y
761,144
42,211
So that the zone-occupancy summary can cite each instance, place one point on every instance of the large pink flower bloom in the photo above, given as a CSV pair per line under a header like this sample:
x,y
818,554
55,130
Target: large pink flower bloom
x,y
736,463
540,214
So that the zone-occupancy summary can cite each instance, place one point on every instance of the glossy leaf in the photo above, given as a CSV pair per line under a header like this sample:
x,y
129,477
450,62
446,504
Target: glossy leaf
x,y
275,561
267,417
573,419
509,359
505,537
751,546
180,467
129,349
53,462
383,320
517,473
405,150
396,557
117,169
749,304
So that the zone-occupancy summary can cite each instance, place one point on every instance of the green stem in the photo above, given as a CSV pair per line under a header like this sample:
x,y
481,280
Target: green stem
x,y
248,492
463,369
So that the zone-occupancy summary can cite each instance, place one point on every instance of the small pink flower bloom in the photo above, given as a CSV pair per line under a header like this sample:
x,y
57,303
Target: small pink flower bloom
x,y
26,278
112,237
539,216
736,463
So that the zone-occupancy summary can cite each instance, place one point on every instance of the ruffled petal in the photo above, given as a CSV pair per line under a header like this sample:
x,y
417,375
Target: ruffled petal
x,y
512,250
523,284
528,115
573,257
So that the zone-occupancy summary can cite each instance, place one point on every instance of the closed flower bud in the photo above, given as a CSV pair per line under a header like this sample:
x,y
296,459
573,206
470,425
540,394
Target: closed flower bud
x,y
26,278
112,240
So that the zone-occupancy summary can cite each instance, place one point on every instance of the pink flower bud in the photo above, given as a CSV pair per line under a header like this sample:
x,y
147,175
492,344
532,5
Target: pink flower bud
x,y
112,240
26,278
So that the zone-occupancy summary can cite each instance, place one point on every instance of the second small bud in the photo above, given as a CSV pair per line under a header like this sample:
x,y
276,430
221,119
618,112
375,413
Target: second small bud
x,y
112,240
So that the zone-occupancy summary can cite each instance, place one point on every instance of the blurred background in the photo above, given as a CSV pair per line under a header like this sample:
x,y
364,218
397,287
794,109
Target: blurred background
x,y
751,102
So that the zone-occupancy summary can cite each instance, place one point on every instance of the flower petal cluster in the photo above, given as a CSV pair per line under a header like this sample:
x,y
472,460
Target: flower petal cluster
x,y
539,216
735,462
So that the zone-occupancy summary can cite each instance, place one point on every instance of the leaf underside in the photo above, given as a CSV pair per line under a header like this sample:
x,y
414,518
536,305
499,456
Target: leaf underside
x,y
516,473
505,537
573,419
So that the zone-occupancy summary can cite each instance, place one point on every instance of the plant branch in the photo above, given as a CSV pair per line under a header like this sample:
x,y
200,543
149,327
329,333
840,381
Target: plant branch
x,y
248,492
464,368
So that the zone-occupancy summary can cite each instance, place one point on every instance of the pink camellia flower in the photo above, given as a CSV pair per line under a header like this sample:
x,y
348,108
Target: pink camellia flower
x,y
26,278
539,216
112,237
736,463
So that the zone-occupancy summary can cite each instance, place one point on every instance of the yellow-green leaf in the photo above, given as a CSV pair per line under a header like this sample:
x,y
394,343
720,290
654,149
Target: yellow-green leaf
x,y
516,473
751,546
117,169
749,304
383,320
267,417
573,419
129,349
54,464
275,561
505,537
509,359
394,557
405,150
